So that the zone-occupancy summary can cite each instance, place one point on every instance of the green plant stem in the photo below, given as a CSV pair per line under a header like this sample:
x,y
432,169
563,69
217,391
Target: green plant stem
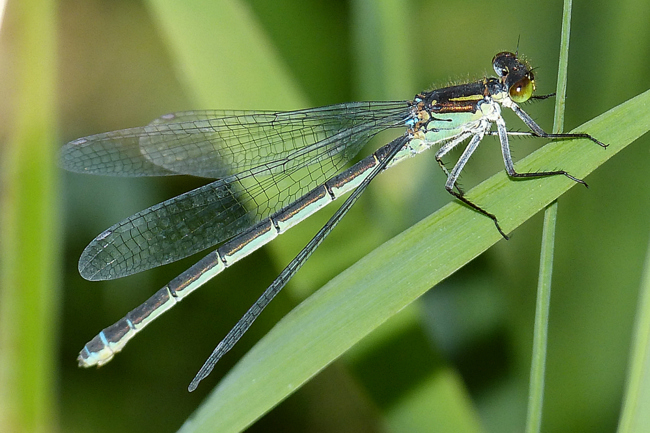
x,y
540,337
29,247
540,333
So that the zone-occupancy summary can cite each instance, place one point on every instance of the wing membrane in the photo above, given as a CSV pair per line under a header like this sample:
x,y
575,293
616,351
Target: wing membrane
x,y
216,143
295,154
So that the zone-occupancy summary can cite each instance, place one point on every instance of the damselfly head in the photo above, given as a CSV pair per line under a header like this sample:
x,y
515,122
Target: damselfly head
x,y
516,75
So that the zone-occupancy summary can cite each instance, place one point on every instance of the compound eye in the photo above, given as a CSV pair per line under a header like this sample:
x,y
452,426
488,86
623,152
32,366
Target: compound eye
x,y
522,90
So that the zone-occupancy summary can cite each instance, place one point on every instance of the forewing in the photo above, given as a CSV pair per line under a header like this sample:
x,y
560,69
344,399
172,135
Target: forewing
x,y
213,213
218,144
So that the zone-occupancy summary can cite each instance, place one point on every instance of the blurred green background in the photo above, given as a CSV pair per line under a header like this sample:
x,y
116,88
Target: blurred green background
x,y
459,359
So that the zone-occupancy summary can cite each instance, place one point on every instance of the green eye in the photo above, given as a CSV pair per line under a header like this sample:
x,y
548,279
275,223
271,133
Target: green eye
x,y
522,90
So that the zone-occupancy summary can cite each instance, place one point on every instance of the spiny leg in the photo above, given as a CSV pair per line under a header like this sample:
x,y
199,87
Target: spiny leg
x,y
445,148
542,96
452,178
507,157
539,132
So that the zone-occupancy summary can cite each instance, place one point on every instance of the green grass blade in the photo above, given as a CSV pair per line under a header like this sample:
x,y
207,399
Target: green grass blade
x,y
381,50
29,232
395,274
635,417
207,41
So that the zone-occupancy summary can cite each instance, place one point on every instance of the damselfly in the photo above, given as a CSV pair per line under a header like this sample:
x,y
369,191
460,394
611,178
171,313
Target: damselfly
x,y
274,169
